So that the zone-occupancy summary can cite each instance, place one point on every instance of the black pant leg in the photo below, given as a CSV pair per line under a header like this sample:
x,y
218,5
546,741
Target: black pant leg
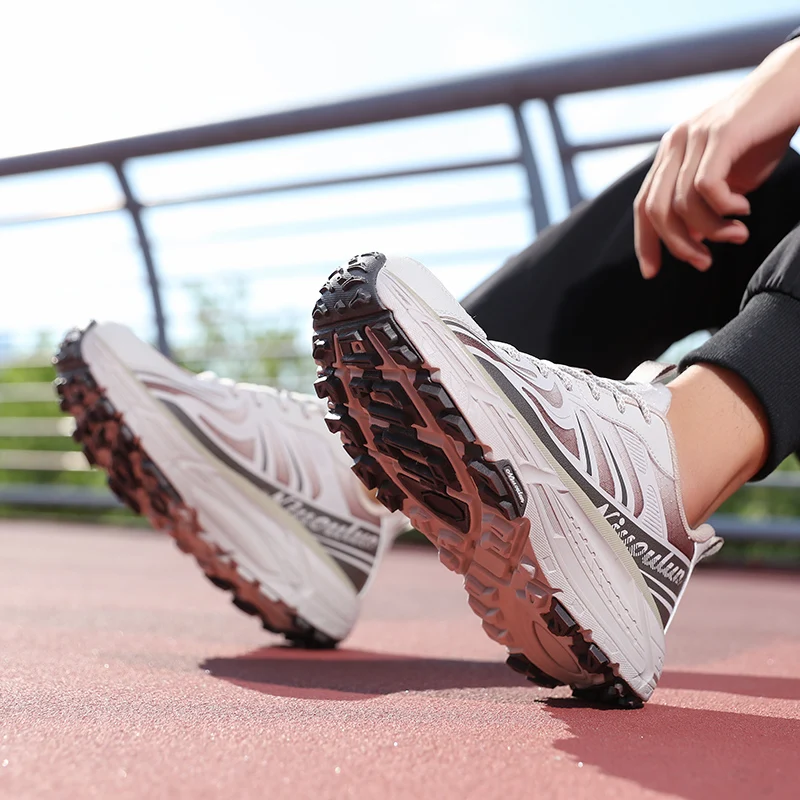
x,y
762,346
575,296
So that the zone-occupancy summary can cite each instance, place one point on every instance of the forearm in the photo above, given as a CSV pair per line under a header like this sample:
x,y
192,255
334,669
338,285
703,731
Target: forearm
x,y
776,82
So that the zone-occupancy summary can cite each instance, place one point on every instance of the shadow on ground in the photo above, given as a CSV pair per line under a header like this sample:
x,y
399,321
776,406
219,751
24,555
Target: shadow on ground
x,y
692,753
345,674
746,685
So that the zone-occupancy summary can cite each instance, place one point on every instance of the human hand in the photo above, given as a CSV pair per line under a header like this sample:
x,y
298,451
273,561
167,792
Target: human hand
x,y
705,166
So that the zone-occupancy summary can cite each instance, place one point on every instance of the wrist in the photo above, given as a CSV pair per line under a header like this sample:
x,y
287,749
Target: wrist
x,y
781,71
787,56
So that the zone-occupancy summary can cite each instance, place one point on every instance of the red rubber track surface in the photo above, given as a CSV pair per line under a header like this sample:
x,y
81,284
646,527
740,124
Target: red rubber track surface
x,y
124,674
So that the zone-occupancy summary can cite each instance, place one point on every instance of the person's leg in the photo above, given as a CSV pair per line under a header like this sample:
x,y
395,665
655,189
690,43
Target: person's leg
x,y
575,296
555,492
735,407
721,436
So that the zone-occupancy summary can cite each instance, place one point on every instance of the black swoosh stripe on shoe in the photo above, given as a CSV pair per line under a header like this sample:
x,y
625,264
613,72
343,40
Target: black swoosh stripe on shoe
x,y
673,578
356,576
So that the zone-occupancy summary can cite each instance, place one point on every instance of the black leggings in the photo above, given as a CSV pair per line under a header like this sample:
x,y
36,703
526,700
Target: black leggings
x,y
575,296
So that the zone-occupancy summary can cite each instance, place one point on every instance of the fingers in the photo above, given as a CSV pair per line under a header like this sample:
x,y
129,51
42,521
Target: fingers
x,y
684,200
710,182
702,221
645,239
657,215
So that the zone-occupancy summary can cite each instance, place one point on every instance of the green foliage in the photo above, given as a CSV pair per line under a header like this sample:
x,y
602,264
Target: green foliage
x,y
758,554
233,343
33,371
759,502
230,341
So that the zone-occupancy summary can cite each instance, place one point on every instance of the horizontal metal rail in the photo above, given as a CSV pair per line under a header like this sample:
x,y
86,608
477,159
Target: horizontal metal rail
x,y
658,61
33,392
35,427
30,495
510,89
673,58
46,460
732,528
780,480
741,529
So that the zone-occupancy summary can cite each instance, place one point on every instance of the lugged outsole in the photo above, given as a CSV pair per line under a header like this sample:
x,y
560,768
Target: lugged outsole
x,y
109,444
410,442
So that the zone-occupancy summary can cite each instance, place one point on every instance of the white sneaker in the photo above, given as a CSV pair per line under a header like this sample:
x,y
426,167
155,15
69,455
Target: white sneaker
x,y
245,478
554,492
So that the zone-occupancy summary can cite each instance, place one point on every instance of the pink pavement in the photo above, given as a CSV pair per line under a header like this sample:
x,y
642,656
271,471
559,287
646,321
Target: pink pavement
x,y
124,674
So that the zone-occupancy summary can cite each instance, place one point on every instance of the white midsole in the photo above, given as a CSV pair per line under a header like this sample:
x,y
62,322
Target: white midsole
x,y
231,513
593,583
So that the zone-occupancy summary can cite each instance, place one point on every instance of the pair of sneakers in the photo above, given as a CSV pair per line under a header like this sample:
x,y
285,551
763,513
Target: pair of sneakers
x,y
554,492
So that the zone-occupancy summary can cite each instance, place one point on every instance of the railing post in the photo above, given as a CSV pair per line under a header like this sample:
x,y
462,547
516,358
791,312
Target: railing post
x,y
574,195
134,208
541,216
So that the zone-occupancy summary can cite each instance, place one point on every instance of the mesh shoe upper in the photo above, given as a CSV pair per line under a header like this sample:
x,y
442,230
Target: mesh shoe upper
x,y
272,444
612,438
277,441
554,492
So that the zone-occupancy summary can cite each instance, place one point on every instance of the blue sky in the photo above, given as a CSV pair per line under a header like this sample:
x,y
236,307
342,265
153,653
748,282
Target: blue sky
x,y
89,71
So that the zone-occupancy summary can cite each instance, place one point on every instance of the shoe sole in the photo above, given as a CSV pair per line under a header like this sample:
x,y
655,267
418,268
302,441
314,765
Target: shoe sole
x,y
108,443
412,444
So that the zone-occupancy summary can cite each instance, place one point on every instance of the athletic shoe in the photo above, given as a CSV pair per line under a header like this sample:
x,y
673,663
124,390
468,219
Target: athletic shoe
x,y
246,478
553,491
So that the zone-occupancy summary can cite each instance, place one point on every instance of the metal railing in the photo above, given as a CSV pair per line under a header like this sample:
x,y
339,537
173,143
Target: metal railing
x,y
548,82
777,530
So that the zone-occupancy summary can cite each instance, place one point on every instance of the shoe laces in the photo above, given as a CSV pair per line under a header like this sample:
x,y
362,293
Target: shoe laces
x,y
619,390
287,399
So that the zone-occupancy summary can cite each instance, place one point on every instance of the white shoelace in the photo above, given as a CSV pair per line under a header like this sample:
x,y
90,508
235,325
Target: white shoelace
x,y
567,375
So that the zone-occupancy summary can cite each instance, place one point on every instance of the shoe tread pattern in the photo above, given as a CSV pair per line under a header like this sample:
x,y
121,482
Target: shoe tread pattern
x,y
109,444
423,457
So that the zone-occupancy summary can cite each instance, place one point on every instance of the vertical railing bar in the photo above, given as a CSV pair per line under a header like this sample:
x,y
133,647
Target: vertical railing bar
x,y
541,215
574,195
134,208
